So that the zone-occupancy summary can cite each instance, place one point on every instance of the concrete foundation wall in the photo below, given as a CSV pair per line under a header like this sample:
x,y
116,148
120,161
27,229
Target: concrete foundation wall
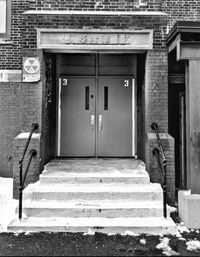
x,y
189,208
33,173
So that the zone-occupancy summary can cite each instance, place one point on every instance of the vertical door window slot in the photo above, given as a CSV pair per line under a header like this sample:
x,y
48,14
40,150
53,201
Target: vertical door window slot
x,y
105,98
87,99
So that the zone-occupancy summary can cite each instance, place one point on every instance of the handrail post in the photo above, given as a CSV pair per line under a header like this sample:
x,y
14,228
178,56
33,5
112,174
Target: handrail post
x,y
165,189
163,167
20,189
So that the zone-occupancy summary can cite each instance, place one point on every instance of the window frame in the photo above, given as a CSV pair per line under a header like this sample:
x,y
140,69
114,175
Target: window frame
x,y
7,33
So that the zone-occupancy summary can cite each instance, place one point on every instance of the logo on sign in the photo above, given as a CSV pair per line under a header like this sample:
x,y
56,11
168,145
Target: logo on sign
x,y
31,69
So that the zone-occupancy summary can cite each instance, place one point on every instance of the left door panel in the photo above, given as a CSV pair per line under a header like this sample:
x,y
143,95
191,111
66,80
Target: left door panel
x,y
77,120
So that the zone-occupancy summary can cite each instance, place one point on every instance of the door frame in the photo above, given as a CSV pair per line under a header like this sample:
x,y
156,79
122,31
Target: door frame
x,y
96,77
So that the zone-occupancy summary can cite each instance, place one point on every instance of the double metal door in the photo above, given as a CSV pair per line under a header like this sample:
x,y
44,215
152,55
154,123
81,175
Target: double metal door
x,y
96,117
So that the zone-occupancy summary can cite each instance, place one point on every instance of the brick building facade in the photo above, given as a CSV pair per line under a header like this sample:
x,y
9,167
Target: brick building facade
x,y
23,103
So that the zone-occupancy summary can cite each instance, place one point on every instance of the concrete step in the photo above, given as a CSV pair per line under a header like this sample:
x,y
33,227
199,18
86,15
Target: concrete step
x,y
128,177
103,225
101,208
64,192
93,165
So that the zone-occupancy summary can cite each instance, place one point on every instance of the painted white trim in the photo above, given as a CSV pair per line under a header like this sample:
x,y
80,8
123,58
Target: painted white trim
x,y
10,75
96,13
59,116
133,118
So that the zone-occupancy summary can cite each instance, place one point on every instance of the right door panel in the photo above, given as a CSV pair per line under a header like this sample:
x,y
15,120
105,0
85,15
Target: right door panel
x,y
114,132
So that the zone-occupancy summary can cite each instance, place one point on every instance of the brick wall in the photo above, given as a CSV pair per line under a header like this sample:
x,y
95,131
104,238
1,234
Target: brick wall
x,y
181,10
10,124
30,22
10,50
103,5
156,90
20,106
156,110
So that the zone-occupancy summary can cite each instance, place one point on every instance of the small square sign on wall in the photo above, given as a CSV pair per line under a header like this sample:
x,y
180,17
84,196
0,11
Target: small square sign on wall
x,y
31,69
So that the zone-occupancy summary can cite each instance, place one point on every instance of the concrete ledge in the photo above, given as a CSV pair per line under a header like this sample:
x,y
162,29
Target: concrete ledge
x,y
105,13
189,208
25,135
162,136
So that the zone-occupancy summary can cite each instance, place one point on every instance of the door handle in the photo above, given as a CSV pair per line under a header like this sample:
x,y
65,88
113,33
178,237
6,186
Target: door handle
x,y
92,122
100,122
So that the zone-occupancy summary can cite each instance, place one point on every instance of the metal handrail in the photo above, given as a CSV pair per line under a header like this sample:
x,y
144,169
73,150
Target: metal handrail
x,y
162,165
154,126
22,178
156,153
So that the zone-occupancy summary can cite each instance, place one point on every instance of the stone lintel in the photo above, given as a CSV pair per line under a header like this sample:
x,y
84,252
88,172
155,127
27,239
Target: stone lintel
x,y
94,39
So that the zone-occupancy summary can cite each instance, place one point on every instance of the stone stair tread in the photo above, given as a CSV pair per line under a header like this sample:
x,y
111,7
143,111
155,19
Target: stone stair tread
x,y
99,162
104,174
148,224
97,187
100,204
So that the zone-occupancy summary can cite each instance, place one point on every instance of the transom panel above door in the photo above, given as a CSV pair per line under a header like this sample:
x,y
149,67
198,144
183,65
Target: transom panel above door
x,y
96,113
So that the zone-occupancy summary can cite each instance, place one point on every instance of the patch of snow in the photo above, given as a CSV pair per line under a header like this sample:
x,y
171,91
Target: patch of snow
x,y
172,209
90,232
164,245
25,135
143,241
7,203
182,239
16,233
193,245
178,235
182,228
27,233
24,216
129,233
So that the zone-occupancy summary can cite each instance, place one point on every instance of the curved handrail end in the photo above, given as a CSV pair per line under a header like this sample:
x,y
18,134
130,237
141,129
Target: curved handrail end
x,y
155,151
35,125
154,126
33,152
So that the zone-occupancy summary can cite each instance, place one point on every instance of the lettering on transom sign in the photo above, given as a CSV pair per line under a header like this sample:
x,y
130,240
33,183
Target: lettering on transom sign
x,y
98,39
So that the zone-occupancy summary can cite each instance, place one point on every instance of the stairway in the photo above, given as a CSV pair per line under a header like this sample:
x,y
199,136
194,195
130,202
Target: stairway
x,y
103,195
